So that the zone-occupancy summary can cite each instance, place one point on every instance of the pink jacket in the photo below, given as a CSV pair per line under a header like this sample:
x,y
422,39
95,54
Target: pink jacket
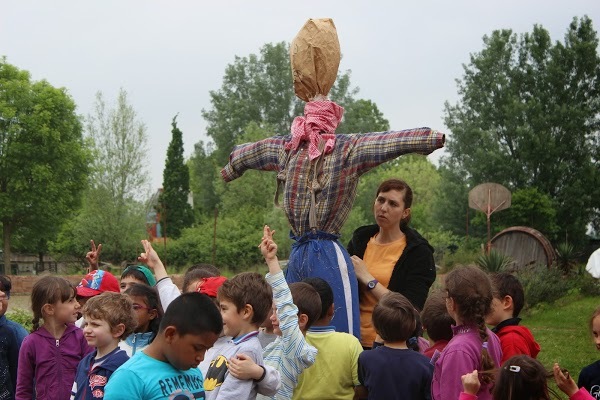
x,y
581,394
50,364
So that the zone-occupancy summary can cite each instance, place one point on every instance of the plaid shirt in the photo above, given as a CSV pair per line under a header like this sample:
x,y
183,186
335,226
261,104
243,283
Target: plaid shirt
x,y
335,187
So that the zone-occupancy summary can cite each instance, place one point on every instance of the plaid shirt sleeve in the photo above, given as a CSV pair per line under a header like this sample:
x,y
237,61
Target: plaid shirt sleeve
x,y
373,149
262,155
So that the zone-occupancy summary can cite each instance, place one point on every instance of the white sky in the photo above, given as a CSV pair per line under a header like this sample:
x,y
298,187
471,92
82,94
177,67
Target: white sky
x,y
404,55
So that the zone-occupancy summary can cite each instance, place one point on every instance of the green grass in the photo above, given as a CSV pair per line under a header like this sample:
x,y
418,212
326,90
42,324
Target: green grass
x,y
562,330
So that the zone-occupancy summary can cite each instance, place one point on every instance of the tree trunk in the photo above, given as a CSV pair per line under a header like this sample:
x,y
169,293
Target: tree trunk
x,y
41,261
6,241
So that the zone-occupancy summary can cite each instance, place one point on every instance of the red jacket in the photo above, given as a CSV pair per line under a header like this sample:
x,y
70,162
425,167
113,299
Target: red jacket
x,y
515,340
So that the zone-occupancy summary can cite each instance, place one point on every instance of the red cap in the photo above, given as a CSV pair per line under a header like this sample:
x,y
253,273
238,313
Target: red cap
x,y
210,286
97,282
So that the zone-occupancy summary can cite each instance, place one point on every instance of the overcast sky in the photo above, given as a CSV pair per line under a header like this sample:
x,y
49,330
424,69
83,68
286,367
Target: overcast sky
x,y
404,56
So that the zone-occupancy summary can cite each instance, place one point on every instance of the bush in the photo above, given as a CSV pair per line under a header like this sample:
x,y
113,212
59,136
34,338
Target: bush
x,y
566,257
543,284
467,252
22,317
494,261
585,283
443,242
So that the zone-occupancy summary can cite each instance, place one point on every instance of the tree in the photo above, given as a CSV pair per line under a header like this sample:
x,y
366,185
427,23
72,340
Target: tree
x,y
528,116
363,116
204,174
113,211
528,207
173,202
259,89
43,159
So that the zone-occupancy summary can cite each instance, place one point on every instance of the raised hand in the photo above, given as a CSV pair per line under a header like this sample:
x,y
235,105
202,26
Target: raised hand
x,y
267,246
93,256
149,256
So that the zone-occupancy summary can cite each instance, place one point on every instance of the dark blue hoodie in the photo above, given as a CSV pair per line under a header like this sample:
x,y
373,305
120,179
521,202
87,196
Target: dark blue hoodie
x,y
93,374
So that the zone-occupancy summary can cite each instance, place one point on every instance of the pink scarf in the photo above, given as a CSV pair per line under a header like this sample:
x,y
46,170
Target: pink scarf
x,y
319,116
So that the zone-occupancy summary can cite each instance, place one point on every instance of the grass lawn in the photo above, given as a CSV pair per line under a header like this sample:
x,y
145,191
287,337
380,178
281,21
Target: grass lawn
x,y
562,330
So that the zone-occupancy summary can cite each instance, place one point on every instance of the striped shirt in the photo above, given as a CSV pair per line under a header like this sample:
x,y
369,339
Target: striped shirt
x,y
290,353
335,187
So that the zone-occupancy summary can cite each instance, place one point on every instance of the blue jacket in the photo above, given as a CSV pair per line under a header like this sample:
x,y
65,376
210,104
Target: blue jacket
x,y
89,380
136,342
11,337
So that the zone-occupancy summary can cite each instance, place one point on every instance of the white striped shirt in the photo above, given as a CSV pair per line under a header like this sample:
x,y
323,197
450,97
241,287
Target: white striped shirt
x,y
289,353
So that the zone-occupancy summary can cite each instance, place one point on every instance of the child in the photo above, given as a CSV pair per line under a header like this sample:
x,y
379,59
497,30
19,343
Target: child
x,y
473,346
94,283
136,274
507,303
196,273
11,337
167,368
589,377
266,335
167,290
334,375
50,354
108,317
297,307
437,322
524,378
244,301
148,312
395,320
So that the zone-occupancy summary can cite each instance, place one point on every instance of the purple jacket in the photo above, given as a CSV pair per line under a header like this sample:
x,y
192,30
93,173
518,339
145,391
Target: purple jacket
x,y
462,355
50,363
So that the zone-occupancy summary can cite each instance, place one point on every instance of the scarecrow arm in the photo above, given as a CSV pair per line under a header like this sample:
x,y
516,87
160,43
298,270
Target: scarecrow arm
x,y
262,155
373,149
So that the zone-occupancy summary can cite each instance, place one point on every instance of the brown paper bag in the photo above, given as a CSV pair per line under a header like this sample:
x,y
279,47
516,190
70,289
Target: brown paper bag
x,y
315,57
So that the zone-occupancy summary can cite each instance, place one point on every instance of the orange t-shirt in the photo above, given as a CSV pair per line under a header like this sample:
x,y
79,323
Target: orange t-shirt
x,y
380,260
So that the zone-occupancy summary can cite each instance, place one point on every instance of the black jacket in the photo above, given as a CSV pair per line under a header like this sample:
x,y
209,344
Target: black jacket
x,y
414,271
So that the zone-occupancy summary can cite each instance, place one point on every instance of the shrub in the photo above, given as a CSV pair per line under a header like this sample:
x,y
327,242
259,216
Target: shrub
x,y
585,283
22,317
543,284
467,252
566,257
494,261
443,242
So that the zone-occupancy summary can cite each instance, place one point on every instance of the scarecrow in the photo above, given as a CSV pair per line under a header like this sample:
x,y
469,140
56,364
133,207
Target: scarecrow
x,y
318,171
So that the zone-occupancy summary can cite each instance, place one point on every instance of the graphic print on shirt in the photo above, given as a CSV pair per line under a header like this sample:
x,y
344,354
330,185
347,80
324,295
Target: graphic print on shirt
x,y
182,387
595,391
97,383
215,376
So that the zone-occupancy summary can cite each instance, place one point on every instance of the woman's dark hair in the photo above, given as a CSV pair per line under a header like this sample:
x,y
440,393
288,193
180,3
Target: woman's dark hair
x,y
401,186
471,290
152,300
523,378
